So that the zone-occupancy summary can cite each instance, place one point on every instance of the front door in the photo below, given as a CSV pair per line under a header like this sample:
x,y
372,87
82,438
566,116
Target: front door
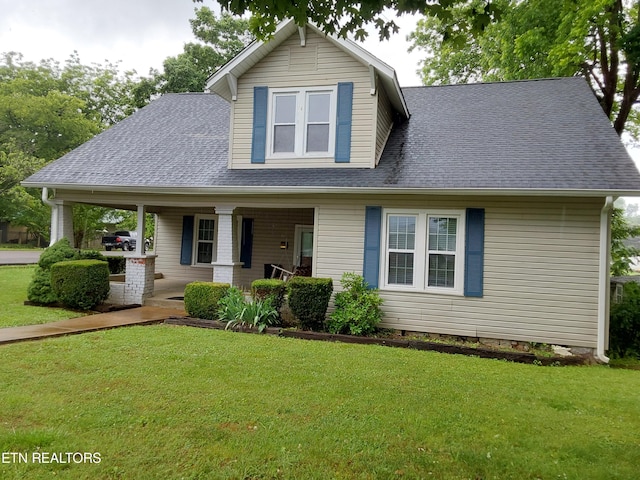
x,y
303,247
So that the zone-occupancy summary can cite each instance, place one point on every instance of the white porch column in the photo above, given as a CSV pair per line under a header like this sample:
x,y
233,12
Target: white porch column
x,y
64,221
54,224
140,269
140,227
226,241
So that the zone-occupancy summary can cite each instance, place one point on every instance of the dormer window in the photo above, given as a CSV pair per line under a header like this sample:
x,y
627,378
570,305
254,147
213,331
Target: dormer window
x,y
301,122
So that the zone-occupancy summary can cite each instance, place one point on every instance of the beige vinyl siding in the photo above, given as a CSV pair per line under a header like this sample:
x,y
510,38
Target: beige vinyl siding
x,y
384,122
540,272
167,249
276,71
339,240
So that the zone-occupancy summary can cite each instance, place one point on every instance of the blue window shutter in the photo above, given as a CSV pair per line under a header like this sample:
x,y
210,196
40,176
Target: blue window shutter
x,y
343,122
187,240
246,242
372,232
474,253
259,136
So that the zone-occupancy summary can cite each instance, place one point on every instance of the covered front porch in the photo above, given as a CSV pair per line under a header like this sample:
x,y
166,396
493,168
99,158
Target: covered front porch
x,y
235,245
204,239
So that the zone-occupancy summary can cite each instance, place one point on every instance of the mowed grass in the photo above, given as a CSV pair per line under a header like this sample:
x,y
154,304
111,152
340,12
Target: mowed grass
x,y
14,281
172,402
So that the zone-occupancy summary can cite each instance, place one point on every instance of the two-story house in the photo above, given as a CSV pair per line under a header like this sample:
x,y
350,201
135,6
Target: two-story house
x,y
477,210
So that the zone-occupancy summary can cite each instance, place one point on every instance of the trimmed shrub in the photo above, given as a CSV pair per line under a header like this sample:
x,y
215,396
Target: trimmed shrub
x,y
269,288
81,284
624,324
116,264
58,252
201,299
357,307
309,299
39,290
91,255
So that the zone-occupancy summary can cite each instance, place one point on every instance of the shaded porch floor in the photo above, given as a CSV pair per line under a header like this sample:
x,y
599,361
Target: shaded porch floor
x,y
168,293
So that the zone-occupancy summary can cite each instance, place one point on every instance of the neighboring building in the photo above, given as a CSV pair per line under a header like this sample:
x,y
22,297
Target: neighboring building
x,y
477,210
13,234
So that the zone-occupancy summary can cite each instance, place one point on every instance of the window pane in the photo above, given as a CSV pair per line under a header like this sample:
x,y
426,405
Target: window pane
x,y
401,268
402,232
284,138
285,109
319,107
442,270
442,234
205,252
205,229
317,138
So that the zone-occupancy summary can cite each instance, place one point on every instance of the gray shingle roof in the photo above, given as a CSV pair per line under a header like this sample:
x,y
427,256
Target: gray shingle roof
x,y
532,135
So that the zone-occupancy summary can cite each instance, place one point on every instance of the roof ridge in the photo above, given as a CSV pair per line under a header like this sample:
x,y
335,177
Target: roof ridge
x,y
497,82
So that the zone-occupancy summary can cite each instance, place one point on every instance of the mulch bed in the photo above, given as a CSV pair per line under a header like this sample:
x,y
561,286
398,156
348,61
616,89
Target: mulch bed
x,y
520,357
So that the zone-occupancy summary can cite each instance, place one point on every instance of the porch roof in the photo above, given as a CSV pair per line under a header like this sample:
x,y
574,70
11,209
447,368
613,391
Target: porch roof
x,y
528,137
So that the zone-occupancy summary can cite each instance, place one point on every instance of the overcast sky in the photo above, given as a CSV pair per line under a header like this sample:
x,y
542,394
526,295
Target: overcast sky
x,y
139,33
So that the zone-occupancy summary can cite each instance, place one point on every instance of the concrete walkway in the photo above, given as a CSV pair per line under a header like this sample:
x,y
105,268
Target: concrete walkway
x,y
19,257
100,321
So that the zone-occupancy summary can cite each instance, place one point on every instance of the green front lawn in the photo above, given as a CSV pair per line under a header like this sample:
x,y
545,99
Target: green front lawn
x,y
178,402
15,246
13,292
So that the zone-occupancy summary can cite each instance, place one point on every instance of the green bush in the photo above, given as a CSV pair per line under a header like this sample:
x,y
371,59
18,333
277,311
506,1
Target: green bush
x,y
309,299
201,299
116,264
269,288
81,284
58,252
357,307
39,289
237,312
624,323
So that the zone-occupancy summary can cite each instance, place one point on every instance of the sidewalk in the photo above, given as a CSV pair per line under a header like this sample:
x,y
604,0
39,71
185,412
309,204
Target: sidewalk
x,y
19,257
100,321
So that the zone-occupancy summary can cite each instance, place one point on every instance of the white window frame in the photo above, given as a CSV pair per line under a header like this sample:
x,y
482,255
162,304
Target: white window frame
x,y
301,122
421,251
196,235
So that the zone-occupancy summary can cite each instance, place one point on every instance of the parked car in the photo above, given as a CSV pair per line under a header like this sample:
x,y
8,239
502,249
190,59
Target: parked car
x,y
123,239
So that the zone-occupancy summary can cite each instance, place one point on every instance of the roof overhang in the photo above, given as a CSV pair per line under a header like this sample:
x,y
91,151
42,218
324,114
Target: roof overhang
x,y
325,190
224,81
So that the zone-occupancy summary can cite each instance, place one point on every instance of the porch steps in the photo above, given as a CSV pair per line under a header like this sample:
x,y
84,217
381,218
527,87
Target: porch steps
x,y
177,305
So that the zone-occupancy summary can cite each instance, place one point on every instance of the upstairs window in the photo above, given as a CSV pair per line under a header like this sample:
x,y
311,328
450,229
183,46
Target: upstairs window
x,y
301,123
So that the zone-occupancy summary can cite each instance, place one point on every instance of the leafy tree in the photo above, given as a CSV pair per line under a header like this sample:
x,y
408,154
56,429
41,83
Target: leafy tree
x,y
218,41
343,17
622,253
599,39
46,110
130,222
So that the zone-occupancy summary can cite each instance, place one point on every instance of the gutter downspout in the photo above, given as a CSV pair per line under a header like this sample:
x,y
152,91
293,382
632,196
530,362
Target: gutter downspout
x,y
54,215
603,290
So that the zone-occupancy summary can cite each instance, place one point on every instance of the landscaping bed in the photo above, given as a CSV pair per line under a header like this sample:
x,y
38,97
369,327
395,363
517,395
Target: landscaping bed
x,y
398,342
